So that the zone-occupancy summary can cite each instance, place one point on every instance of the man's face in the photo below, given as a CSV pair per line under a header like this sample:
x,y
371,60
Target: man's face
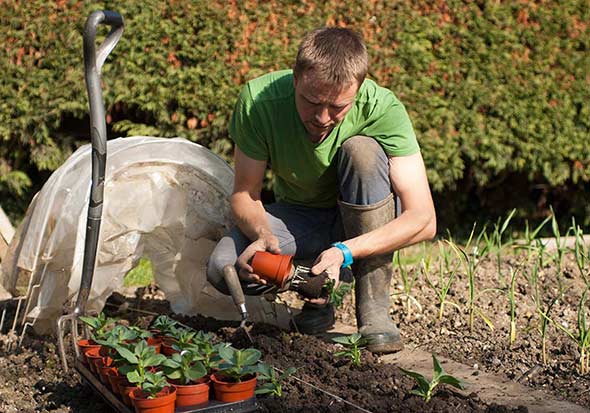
x,y
320,106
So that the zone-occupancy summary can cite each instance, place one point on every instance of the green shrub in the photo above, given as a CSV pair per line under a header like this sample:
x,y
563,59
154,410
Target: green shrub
x,y
498,92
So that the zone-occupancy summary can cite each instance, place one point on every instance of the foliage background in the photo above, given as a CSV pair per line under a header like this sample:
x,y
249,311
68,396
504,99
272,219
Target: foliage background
x,y
498,90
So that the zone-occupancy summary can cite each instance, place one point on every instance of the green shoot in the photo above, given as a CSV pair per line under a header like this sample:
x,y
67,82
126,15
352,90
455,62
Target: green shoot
x,y
580,252
582,336
530,237
152,383
98,325
238,364
184,367
560,249
499,229
407,281
336,295
441,289
273,385
353,344
425,388
470,262
513,275
543,312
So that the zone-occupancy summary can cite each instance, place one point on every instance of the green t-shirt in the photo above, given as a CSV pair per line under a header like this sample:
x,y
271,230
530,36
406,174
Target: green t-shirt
x,y
266,126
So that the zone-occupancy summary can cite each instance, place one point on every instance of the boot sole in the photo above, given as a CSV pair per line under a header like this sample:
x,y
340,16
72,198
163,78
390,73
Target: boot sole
x,y
386,348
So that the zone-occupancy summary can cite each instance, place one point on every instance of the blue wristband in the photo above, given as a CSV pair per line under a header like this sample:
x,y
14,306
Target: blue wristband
x,y
346,252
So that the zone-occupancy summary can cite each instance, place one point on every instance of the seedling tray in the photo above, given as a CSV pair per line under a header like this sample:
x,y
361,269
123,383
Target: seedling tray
x,y
213,406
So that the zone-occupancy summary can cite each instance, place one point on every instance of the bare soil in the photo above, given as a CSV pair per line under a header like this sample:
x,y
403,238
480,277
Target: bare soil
x,y
31,378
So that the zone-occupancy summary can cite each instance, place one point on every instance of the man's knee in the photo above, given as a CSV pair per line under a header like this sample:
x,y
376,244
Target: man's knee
x,y
363,171
363,154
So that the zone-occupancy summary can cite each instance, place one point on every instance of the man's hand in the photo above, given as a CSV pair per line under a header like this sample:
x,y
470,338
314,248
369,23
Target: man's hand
x,y
329,261
266,242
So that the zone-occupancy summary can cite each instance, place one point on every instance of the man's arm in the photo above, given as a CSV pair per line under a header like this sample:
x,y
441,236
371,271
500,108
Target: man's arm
x,y
249,214
416,223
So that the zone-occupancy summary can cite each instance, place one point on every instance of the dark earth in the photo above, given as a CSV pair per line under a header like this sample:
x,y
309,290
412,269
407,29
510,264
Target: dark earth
x,y
31,378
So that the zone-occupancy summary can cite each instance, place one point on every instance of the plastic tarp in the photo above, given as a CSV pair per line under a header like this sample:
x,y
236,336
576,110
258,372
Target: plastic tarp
x,y
165,199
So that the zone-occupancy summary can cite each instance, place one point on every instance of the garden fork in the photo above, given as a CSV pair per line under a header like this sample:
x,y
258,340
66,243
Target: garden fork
x,y
93,62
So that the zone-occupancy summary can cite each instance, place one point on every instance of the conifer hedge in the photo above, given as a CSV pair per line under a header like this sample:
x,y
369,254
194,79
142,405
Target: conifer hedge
x,y
498,90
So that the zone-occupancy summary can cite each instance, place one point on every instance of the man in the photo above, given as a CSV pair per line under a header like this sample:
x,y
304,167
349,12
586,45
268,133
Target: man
x,y
339,146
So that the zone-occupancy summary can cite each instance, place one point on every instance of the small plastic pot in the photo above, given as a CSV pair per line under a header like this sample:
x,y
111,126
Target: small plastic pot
x,y
92,355
114,379
124,389
192,394
273,268
155,342
162,403
84,345
226,391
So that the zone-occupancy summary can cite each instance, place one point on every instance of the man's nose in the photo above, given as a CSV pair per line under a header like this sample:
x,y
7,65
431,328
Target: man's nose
x,y
322,115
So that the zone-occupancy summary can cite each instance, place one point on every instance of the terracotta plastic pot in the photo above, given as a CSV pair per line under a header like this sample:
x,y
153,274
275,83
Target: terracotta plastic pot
x,y
162,403
114,379
192,394
103,366
85,345
124,389
92,355
233,392
274,268
155,342
167,350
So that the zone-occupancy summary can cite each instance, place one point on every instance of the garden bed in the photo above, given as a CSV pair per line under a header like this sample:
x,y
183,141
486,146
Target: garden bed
x,y
32,380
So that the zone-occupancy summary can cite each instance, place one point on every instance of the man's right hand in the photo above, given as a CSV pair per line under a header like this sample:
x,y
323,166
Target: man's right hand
x,y
266,242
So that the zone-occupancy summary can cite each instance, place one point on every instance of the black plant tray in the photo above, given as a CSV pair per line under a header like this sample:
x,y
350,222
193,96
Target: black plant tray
x,y
213,406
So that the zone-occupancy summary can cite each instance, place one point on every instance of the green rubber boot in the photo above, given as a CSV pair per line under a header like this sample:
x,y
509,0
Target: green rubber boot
x,y
372,278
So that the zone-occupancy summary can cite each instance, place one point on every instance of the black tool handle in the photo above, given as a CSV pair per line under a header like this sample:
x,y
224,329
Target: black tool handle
x,y
93,61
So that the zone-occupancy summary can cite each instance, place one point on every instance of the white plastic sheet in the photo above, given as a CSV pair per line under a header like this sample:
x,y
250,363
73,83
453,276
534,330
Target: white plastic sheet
x,y
166,199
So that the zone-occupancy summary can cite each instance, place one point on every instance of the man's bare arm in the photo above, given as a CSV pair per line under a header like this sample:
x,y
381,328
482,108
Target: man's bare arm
x,y
416,223
248,211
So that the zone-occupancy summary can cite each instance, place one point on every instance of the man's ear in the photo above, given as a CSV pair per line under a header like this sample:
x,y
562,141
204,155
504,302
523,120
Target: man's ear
x,y
294,79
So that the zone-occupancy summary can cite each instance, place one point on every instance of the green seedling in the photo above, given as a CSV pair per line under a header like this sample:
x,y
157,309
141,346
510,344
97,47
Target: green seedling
x,y
184,338
530,237
152,383
513,274
138,358
407,281
184,367
560,249
238,364
470,262
582,336
544,312
164,325
273,385
99,325
441,289
208,354
353,344
497,242
425,388
581,252
117,336
336,295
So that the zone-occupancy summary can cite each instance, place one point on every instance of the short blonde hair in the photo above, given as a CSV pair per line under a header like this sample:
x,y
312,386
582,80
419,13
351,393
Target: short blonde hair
x,y
335,56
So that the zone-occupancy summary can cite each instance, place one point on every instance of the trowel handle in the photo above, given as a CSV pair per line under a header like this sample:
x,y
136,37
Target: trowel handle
x,y
230,275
